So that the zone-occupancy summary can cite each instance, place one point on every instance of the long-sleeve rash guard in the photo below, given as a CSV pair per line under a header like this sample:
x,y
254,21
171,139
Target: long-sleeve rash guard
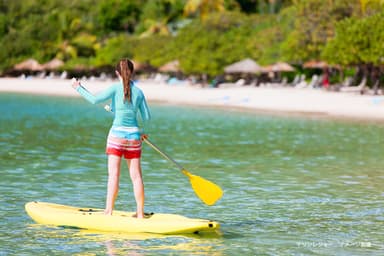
x,y
125,112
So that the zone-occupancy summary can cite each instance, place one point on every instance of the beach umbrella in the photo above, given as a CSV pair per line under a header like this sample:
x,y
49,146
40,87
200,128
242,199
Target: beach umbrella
x,y
137,65
320,65
173,66
316,64
279,67
244,66
53,64
29,64
142,66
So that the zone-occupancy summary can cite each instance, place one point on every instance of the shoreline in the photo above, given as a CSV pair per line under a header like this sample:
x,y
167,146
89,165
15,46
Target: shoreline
x,y
281,101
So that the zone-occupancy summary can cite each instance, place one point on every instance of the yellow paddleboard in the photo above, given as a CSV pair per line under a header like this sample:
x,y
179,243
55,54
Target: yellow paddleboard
x,y
120,221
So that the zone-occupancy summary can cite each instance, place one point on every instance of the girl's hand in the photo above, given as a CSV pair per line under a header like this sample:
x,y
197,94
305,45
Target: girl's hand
x,y
144,136
75,83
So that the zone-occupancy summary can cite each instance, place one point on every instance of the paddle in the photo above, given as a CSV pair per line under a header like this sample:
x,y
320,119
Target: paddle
x,y
206,190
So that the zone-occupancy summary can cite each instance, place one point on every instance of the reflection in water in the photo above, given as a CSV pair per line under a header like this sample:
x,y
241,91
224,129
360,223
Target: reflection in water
x,y
145,243
128,243
131,247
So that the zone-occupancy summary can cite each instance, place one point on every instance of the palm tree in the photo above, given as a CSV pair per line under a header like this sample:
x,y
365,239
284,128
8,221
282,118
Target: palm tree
x,y
159,16
159,27
203,7
273,6
365,3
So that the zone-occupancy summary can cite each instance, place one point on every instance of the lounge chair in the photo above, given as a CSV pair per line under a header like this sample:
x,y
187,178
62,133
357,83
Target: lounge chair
x,y
355,89
302,83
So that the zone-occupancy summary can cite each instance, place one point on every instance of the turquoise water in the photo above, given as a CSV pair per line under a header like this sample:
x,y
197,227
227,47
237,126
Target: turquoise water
x,y
293,186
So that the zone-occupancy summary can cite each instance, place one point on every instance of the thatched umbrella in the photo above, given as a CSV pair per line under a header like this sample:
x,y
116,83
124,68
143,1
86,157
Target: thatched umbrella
x,y
29,64
279,67
320,65
316,64
142,66
173,66
53,64
137,65
247,66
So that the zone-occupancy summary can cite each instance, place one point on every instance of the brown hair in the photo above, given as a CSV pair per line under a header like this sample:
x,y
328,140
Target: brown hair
x,y
125,69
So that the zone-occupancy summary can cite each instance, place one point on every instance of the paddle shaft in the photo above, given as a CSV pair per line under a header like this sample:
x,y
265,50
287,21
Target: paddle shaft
x,y
165,155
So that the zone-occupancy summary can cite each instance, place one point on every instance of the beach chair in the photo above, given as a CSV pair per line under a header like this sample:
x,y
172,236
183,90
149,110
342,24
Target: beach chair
x,y
302,83
347,81
296,80
314,81
355,89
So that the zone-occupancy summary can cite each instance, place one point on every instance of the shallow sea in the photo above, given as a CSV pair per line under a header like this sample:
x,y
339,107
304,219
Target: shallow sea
x,y
293,185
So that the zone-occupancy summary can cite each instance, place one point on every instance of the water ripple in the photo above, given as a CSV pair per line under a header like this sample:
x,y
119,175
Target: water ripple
x,y
291,186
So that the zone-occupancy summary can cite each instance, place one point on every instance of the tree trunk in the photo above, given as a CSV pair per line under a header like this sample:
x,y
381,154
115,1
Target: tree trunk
x,y
375,79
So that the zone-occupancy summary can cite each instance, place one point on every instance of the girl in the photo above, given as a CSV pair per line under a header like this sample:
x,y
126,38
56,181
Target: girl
x,y
124,138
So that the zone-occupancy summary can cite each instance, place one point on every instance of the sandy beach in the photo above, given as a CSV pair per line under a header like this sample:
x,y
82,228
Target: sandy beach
x,y
281,100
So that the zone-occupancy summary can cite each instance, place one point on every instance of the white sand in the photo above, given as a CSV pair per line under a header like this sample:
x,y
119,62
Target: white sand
x,y
275,100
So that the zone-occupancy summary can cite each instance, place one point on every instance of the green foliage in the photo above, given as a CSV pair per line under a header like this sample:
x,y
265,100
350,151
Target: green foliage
x,y
206,47
119,15
78,64
42,29
99,32
158,16
163,9
357,41
154,50
264,43
114,49
371,7
315,21
3,25
210,45
85,44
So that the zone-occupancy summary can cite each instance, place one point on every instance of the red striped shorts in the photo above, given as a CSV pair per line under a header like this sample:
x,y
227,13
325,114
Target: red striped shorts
x,y
129,148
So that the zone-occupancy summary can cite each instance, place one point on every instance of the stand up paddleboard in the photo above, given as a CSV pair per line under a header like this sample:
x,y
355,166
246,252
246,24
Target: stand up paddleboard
x,y
120,221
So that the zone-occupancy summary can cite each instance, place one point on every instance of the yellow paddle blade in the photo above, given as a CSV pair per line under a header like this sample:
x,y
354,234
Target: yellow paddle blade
x,y
206,190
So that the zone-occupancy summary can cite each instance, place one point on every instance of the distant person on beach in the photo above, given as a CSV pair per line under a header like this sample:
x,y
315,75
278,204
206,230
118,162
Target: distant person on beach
x,y
125,137
325,81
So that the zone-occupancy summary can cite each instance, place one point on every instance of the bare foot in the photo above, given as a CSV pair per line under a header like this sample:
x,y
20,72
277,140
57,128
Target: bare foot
x,y
107,212
139,216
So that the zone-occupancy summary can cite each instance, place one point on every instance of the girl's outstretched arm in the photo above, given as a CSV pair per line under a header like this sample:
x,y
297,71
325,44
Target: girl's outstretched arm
x,y
94,99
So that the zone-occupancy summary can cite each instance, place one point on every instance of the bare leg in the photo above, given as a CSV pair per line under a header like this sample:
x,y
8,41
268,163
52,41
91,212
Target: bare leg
x,y
134,166
113,182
